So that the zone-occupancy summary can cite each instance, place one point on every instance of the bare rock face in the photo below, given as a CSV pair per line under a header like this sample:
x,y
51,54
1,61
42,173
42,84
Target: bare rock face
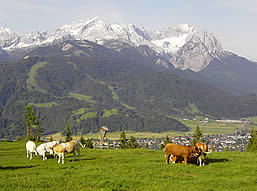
x,y
7,37
185,46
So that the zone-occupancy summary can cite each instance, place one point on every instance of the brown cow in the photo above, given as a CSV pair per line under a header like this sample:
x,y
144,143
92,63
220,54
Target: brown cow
x,y
176,151
69,147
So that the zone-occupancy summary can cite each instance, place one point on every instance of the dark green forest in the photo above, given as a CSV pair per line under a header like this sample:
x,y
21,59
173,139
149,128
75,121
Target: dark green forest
x,y
89,86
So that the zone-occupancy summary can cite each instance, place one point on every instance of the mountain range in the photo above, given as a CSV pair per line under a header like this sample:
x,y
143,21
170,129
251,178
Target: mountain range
x,y
91,73
185,46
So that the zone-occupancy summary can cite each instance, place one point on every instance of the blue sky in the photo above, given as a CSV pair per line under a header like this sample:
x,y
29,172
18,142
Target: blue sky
x,y
233,22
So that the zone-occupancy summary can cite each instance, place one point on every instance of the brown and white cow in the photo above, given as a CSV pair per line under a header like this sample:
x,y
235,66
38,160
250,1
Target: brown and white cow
x,y
186,152
203,147
68,147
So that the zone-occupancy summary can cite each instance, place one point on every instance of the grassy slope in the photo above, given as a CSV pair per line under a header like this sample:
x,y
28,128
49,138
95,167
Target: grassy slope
x,y
212,127
124,170
31,81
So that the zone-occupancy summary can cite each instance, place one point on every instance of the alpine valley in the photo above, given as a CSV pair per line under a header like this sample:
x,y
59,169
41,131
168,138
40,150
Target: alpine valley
x,y
91,73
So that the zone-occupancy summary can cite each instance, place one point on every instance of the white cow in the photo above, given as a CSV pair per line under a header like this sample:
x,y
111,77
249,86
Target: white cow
x,y
46,148
30,148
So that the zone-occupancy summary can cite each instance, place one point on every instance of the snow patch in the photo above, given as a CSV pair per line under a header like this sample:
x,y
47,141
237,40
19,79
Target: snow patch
x,y
67,47
171,44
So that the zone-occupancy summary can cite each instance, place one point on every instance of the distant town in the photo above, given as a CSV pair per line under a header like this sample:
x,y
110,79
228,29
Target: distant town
x,y
233,142
218,142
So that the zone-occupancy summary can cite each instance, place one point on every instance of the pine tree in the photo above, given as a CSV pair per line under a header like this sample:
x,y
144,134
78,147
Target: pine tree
x,y
37,130
82,140
51,139
197,135
166,140
68,134
132,144
252,144
89,144
32,123
123,140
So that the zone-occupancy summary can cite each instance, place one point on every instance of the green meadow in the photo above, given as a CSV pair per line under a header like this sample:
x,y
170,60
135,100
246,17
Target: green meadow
x,y
122,170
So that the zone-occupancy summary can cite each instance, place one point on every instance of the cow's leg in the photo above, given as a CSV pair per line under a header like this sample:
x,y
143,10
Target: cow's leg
x,y
79,155
167,158
73,156
200,161
59,159
185,159
44,156
63,158
27,154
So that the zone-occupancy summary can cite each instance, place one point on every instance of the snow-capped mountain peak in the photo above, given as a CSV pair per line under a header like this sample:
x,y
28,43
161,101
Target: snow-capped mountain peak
x,y
7,37
184,45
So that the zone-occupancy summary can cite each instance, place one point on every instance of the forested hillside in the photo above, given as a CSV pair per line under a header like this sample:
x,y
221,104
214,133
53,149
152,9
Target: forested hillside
x,y
87,85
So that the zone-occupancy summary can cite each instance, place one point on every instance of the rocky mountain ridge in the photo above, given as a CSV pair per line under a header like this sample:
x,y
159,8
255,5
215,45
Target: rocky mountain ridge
x,y
185,46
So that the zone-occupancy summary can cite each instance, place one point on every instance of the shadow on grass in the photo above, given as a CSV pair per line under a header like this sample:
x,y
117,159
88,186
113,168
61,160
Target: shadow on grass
x,y
14,167
83,159
89,159
216,160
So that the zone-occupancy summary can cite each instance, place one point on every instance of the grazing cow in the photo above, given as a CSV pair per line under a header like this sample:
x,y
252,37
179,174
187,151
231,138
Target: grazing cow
x,y
46,147
203,152
30,149
69,147
192,160
186,152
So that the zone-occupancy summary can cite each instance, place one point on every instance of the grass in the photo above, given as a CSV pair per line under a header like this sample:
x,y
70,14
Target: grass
x,y
212,127
254,120
116,135
31,81
88,115
127,106
138,169
108,113
82,97
45,105
114,95
192,109
80,111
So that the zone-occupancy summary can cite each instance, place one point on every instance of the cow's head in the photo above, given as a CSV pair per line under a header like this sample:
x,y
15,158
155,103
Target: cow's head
x,y
196,151
51,150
